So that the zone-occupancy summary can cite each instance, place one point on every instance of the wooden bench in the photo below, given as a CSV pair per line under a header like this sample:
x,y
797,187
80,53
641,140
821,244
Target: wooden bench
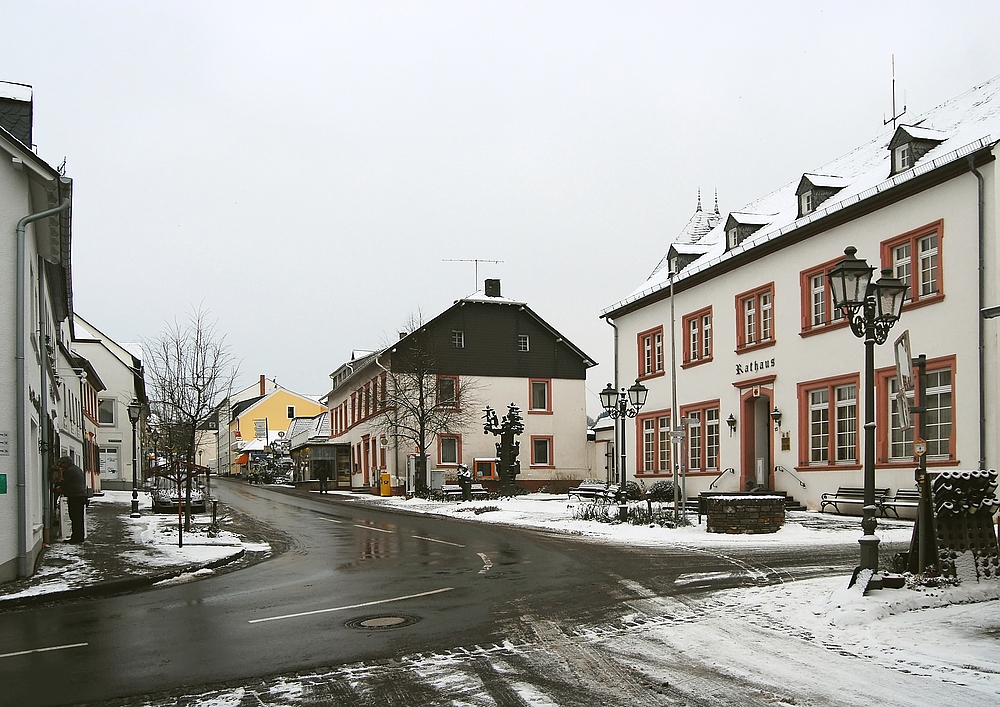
x,y
850,496
454,491
596,492
904,498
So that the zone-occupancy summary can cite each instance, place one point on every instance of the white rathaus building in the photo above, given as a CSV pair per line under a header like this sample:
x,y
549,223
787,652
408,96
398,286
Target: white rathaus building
x,y
769,378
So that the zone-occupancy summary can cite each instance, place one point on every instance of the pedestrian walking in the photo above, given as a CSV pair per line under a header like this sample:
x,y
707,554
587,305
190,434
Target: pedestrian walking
x,y
323,475
73,485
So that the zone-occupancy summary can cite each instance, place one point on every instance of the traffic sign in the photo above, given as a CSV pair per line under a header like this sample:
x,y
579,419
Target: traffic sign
x,y
919,447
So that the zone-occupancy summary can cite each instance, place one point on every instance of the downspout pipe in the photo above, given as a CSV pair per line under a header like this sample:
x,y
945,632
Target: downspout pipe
x,y
982,305
24,565
618,420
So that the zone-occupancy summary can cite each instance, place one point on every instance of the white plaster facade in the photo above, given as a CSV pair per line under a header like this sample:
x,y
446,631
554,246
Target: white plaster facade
x,y
939,195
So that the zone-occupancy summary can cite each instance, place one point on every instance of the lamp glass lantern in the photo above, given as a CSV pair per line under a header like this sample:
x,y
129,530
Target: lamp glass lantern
x,y
890,295
609,398
637,394
134,408
849,280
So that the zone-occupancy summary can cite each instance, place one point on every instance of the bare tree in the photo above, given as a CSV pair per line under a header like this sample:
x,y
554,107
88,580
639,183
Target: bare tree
x,y
189,368
419,400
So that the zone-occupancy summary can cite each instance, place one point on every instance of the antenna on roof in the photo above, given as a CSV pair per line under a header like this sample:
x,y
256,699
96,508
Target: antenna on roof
x,y
895,116
477,261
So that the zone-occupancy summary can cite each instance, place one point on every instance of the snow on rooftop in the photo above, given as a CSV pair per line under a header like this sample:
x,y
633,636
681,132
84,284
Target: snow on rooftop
x,y
826,180
923,133
15,91
481,296
970,121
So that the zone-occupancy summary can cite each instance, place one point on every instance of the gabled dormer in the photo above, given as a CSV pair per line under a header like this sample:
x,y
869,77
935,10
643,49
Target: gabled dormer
x,y
680,255
814,189
742,225
911,142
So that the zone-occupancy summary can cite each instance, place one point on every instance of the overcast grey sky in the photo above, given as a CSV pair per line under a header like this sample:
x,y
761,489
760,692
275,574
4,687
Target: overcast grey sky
x,y
303,169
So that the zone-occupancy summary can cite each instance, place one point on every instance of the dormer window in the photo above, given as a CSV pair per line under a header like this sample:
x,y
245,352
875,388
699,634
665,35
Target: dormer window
x,y
814,189
902,158
910,143
741,225
806,203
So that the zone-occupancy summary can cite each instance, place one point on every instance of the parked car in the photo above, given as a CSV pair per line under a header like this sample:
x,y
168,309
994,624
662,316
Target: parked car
x,y
166,498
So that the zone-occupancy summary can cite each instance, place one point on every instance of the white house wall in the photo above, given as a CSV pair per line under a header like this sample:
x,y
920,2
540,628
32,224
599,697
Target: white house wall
x,y
948,327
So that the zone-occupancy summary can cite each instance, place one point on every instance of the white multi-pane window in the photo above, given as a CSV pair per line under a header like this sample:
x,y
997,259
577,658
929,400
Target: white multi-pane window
x,y
651,352
750,320
766,316
928,254
663,426
522,342
817,293
658,350
458,339
806,202
915,258
706,335
649,444
694,440
847,422
712,438
694,346
900,440
756,324
819,426
938,403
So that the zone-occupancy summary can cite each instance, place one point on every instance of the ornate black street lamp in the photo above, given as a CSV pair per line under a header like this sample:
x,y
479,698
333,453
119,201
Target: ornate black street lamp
x,y
622,404
134,409
872,308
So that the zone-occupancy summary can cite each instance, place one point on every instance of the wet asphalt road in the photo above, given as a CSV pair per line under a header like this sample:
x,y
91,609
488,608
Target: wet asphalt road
x,y
459,583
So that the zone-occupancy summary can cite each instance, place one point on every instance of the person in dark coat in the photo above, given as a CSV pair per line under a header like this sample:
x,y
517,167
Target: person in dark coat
x,y
323,475
74,487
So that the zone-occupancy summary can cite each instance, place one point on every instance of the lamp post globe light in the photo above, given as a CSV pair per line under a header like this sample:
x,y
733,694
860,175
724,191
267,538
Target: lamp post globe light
x,y
621,404
134,409
872,308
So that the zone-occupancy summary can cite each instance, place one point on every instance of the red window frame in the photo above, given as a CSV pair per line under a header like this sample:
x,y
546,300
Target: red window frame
x,y
658,444
437,392
458,449
883,376
703,408
547,410
913,238
653,339
552,452
742,345
832,319
831,384
698,319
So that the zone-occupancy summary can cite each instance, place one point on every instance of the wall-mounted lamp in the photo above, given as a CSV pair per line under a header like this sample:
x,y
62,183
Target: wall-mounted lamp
x,y
776,416
731,421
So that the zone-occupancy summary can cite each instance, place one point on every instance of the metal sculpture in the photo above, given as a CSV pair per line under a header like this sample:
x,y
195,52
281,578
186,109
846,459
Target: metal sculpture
x,y
507,448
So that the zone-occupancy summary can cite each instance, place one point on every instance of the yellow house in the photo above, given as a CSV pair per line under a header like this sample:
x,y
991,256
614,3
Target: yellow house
x,y
265,418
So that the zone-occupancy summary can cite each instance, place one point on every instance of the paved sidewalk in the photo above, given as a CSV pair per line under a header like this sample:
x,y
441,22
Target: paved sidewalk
x,y
124,554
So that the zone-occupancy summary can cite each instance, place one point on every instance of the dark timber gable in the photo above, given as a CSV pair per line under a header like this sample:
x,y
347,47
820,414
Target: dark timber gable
x,y
490,336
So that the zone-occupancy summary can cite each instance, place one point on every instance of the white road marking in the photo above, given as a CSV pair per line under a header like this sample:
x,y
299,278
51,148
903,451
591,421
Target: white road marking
x,y
349,606
331,520
432,540
486,563
368,527
44,650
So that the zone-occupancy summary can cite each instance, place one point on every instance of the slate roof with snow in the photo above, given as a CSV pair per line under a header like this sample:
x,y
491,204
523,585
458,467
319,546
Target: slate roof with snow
x,y
963,125
689,240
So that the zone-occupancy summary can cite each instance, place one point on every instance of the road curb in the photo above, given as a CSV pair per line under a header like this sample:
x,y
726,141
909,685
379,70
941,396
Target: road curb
x,y
117,586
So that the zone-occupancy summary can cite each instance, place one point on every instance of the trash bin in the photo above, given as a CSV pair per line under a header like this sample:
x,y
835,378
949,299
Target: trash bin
x,y
385,485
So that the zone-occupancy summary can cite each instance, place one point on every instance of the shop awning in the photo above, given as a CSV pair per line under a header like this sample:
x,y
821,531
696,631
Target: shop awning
x,y
243,458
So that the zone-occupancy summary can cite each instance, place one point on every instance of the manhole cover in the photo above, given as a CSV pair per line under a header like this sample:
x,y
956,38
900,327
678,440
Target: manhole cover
x,y
382,621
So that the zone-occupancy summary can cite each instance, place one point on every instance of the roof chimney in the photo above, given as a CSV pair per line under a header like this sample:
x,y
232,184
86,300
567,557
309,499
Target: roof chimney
x,y
262,384
492,288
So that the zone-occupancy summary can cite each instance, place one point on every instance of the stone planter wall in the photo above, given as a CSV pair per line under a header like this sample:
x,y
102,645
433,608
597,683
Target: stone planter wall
x,y
745,514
